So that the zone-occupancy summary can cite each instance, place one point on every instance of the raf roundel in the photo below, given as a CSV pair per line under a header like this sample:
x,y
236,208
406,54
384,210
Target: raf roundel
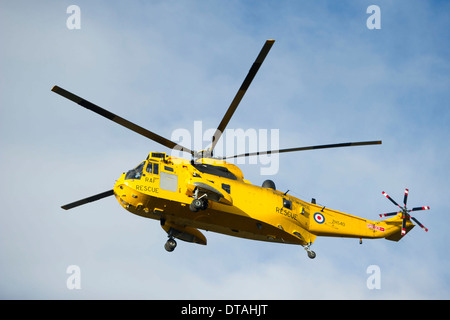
x,y
319,218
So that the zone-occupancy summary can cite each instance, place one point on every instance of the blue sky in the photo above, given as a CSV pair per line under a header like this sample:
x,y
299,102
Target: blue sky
x,y
166,64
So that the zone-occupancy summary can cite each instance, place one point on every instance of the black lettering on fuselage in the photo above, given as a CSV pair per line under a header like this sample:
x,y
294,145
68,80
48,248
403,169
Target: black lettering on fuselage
x,y
144,188
286,213
150,179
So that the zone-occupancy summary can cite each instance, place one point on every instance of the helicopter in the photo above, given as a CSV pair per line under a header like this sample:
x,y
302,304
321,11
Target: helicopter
x,y
211,194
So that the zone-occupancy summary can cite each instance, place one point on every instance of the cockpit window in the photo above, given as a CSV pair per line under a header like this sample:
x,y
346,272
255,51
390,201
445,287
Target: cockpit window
x,y
135,173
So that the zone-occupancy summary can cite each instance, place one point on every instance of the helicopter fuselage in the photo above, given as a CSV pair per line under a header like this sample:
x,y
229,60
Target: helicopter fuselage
x,y
163,188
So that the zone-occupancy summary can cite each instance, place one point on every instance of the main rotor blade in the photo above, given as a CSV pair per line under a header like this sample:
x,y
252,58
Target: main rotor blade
x,y
88,199
119,120
325,146
241,92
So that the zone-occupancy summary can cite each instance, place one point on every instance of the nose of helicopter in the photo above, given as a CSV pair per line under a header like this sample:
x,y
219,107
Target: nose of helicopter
x,y
128,197
119,192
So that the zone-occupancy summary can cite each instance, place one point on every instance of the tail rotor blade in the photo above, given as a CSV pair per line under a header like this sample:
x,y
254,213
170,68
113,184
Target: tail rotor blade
x,y
421,225
404,212
419,208
404,225
405,198
392,200
388,214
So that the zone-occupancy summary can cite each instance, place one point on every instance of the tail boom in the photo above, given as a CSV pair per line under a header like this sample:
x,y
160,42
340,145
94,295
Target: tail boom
x,y
332,223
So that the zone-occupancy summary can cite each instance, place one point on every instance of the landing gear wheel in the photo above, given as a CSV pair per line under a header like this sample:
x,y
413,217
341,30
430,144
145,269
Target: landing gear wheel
x,y
192,208
170,245
198,204
311,254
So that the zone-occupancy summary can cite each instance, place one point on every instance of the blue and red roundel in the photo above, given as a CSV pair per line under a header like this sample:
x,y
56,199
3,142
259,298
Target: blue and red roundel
x,y
319,218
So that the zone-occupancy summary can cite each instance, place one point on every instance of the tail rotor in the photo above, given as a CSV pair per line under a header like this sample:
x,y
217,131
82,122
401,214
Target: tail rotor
x,y
404,211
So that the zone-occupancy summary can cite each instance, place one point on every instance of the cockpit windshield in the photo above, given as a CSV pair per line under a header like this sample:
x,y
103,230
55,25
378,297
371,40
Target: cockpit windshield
x,y
135,173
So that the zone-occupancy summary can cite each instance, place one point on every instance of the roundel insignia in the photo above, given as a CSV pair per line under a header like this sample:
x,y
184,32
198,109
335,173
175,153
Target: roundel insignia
x,y
319,218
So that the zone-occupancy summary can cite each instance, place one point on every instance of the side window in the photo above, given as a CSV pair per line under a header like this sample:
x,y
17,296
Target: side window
x,y
152,168
287,204
226,187
168,181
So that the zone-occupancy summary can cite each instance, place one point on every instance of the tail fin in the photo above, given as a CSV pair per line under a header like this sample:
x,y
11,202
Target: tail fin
x,y
397,230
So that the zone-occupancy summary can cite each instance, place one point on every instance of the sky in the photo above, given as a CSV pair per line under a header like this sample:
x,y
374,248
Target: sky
x,y
166,64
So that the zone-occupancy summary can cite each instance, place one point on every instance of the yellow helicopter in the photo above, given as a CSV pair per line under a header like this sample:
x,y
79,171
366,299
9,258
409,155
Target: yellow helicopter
x,y
211,194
